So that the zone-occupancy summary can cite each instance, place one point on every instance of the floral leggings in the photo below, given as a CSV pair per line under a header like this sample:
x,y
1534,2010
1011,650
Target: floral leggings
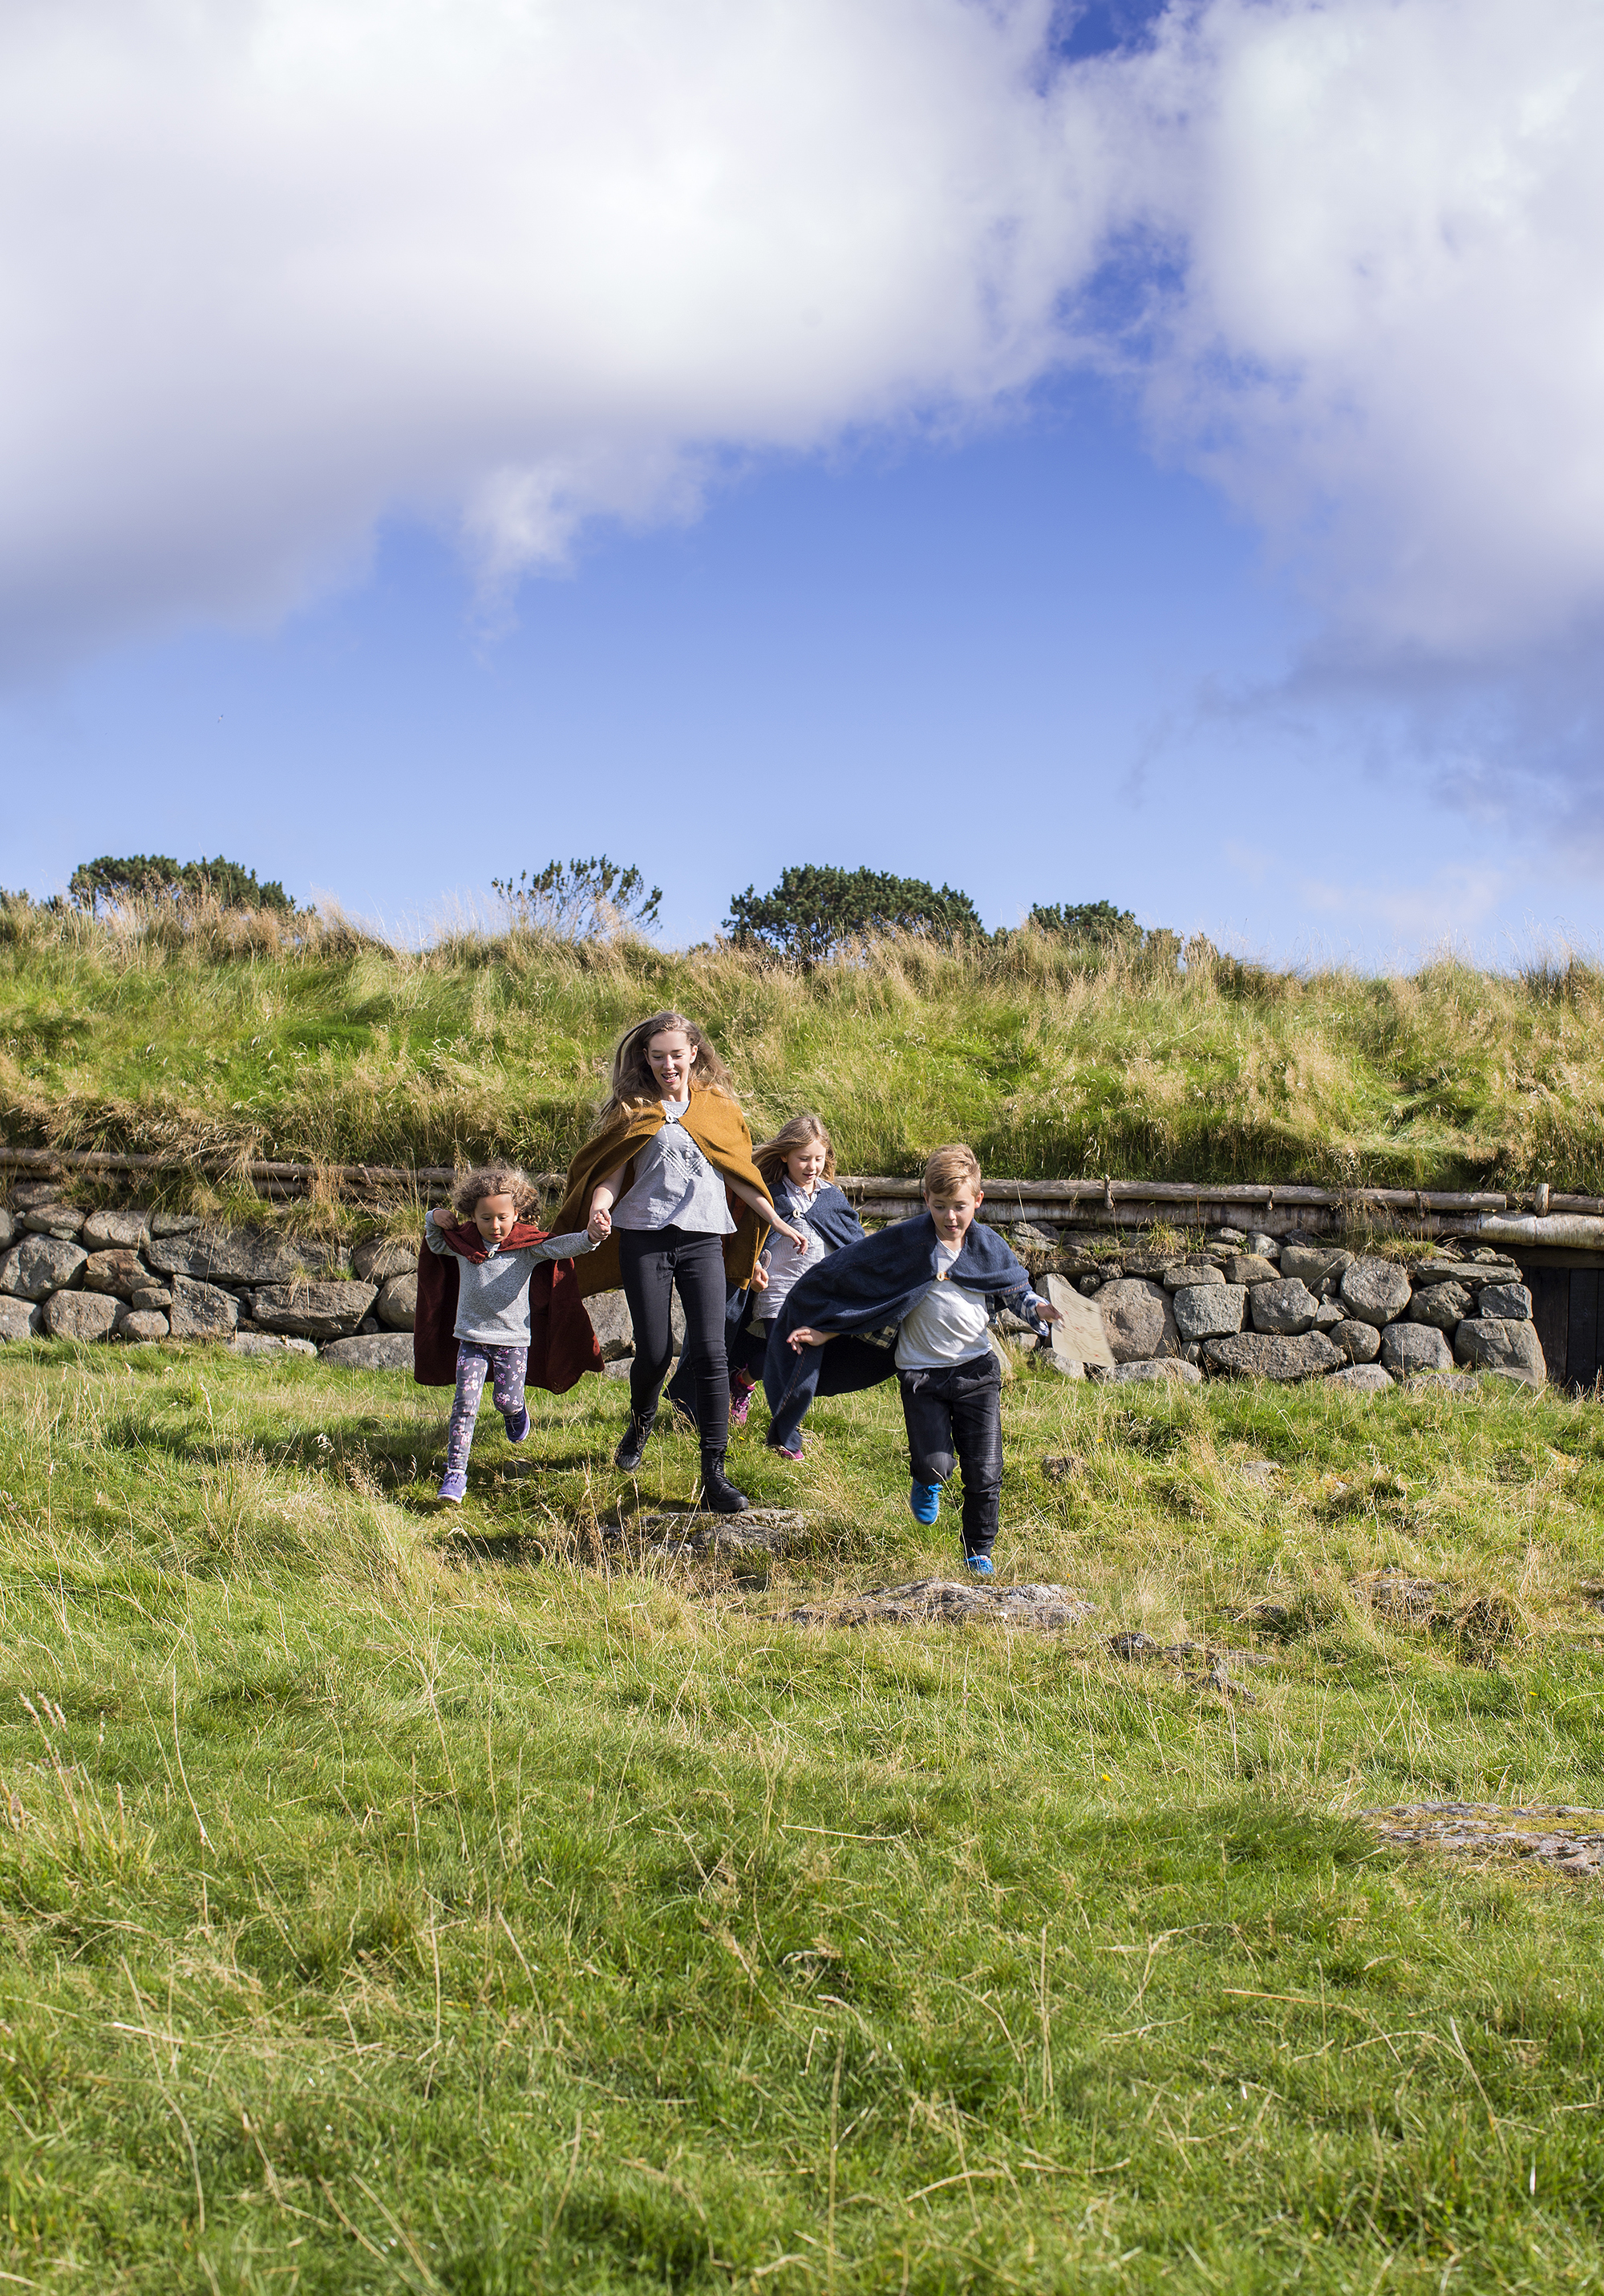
x,y
504,1369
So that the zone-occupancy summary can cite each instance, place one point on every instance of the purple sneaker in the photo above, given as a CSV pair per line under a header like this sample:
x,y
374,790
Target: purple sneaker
x,y
741,1401
517,1424
782,1451
454,1489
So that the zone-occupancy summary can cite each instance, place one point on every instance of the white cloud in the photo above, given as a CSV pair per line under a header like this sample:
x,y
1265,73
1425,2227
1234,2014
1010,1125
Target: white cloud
x,y
271,270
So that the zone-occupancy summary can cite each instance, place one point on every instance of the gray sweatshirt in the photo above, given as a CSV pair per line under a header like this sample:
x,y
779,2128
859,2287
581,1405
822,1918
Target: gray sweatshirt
x,y
493,1293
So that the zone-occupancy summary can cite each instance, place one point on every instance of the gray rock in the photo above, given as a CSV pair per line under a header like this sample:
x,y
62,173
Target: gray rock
x,y
1138,1318
1375,1290
270,1343
368,1326
1321,1266
1265,1355
396,1307
151,1299
1361,1343
8,1229
174,1223
385,1351
938,1601
377,1258
201,1311
1329,1314
1498,1343
1188,1274
1510,1301
1284,1308
313,1311
1360,1379
225,1255
1250,1267
1207,1311
40,1265
113,1231
28,1195
143,1324
122,1273
608,1312
80,1315
64,1220
1263,1247
1173,1368
1472,1273
1443,1304
1065,1366
1033,1235
1414,1346
20,1320
1232,1237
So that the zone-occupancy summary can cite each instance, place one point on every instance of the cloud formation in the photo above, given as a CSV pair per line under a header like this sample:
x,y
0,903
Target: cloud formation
x,y
273,270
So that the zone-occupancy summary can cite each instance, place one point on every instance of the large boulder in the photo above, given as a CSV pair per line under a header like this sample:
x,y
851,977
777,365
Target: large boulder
x,y
80,1315
313,1311
113,1231
380,1352
8,1228
1360,1379
377,1258
20,1319
224,1255
1285,1308
1361,1343
1414,1346
1498,1343
1510,1301
1208,1311
143,1324
268,1343
608,1312
1445,1304
1265,1355
120,1272
397,1304
1248,1267
1321,1267
1375,1290
201,1311
1138,1319
40,1265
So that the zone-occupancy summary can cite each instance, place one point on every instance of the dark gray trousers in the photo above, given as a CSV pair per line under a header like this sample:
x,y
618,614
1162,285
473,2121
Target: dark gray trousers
x,y
955,1417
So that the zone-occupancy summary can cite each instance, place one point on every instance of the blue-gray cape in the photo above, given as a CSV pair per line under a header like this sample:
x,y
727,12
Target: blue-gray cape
x,y
865,1289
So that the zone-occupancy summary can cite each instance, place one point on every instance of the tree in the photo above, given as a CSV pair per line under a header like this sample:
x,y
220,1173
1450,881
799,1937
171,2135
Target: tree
x,y
1093,921
158,877
813,909
579,900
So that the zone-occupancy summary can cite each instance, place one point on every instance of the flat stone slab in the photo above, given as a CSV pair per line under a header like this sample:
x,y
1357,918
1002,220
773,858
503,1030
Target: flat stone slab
x,y
1173,1369
1360,1379
269,1343
369,1351
1563,1838
693,1538
1262,1355
946,1602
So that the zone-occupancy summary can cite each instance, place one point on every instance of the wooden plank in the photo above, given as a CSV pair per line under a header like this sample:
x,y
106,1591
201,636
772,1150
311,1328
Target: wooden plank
x,y
1581,1338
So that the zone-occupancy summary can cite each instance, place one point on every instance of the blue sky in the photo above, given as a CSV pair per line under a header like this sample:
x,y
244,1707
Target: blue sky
x,y
1056,604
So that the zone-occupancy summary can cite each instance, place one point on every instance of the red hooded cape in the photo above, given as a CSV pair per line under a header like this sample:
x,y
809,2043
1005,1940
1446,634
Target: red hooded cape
x,y
563,1346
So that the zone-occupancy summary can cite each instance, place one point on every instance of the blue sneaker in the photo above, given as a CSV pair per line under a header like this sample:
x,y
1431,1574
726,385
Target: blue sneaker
x,y
454,1489
517,1424
979,1566
925,1499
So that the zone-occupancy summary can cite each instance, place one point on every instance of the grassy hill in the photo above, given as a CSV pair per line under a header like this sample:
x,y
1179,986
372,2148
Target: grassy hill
x,y
139,1033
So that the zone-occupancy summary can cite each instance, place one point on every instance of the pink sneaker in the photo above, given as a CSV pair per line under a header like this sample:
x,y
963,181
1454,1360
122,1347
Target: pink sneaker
x,y
741,1401
780,1452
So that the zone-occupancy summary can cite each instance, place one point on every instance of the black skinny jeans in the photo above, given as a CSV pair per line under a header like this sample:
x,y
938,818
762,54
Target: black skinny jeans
x,y
960,1411
654,1263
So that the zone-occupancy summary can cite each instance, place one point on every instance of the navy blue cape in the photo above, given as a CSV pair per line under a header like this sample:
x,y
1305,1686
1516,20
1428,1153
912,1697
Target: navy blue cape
x,y
862,1290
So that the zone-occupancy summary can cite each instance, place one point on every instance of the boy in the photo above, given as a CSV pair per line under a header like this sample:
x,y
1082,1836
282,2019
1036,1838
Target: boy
x,y
931,1278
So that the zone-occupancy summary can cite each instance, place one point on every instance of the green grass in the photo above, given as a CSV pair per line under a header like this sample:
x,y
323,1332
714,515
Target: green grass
x,y
429,1902
135,1034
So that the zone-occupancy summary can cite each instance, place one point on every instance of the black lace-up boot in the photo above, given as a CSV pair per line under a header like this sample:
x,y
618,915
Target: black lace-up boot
x,y
718,1492
632,1449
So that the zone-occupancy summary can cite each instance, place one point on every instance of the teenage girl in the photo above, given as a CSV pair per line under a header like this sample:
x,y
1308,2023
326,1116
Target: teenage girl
x,y
670,1150
798,1164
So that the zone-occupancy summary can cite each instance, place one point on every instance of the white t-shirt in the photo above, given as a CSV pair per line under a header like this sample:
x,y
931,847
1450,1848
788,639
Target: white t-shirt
x,y
675,1185
787,1267
946,1325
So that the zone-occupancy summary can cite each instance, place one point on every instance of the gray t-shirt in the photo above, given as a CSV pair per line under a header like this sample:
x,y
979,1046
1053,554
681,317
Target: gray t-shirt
x,y
675,1185
493,1293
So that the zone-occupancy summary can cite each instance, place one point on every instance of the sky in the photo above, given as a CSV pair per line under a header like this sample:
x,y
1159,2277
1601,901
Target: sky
x,y
1135,452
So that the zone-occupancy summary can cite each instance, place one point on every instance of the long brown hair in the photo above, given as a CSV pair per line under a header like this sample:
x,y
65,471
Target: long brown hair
x,y
770,1157
633,1082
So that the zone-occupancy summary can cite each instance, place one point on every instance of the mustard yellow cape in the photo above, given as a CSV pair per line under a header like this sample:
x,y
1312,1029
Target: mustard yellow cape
x,y
719,1130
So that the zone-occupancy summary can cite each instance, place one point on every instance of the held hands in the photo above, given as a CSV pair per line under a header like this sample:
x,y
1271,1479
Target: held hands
x,y
598,1226
760,1277
806,1336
